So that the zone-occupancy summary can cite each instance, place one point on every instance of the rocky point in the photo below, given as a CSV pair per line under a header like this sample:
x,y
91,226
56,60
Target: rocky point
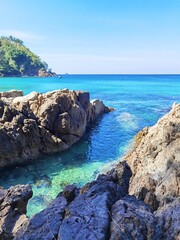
x,y
137,200
43,123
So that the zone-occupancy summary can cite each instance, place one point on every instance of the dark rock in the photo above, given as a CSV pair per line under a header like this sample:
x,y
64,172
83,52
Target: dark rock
x,y
168,221
70,192
13,208
44,225
88,216
131,219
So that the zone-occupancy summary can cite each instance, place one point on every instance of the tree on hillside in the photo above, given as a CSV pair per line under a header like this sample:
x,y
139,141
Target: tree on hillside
x,y
18,60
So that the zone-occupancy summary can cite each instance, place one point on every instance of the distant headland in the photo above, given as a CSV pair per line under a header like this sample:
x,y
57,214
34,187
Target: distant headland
x,y
16,60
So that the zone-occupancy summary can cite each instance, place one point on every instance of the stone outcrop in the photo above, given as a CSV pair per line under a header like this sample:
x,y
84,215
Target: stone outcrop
x,y
13,209
105,209
132,219
44,73
43,123
155,161
86,216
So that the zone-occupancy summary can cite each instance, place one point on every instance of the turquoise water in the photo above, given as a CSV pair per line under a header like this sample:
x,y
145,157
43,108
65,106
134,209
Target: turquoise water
x,y
139,100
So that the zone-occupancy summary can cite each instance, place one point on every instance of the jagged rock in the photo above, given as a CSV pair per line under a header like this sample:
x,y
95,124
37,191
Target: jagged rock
x,y
103,209
168,221
13,209
155,160
132,219
88,214
70,192
43,123
44,225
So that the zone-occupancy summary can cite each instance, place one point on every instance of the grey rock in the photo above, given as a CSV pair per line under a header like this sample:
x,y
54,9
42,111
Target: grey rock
x,y
132,219
83,214
13,204
88,216
168,221
44,225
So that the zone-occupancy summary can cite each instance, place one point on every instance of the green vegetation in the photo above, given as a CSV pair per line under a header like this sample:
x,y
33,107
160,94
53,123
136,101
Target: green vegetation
x,y
18,60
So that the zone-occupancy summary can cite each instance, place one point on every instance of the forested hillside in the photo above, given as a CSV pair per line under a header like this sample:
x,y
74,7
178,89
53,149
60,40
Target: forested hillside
x,y
18,60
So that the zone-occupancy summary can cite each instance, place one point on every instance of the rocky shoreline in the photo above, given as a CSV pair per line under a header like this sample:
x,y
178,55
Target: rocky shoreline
x,y
138,199
43,123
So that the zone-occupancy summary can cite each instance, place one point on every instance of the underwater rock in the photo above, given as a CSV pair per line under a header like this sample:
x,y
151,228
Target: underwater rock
x,y
43,123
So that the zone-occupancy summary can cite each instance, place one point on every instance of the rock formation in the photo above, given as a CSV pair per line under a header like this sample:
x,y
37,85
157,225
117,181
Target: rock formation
x,y
84,216
155,161
13,209
43,123
105,209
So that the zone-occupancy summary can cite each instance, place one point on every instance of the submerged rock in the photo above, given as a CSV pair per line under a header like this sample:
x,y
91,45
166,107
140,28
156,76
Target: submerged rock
x,y
43,123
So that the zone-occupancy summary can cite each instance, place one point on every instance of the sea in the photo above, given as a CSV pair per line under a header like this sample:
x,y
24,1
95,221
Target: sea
x,y
138,100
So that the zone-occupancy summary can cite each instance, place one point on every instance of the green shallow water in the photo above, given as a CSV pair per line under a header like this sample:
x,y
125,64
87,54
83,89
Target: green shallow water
x,y
139,101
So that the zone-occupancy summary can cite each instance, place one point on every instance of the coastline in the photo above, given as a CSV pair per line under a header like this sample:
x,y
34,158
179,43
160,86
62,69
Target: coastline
x,y
151,213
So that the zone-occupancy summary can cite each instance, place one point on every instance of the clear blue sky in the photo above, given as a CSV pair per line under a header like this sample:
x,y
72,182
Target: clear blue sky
x,y
98,36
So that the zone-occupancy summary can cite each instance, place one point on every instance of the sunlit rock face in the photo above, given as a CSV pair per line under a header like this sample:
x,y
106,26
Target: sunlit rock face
x,y
43,123
155,161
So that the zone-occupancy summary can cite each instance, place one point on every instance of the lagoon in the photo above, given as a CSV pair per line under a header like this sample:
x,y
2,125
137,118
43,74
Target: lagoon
x,y
139,101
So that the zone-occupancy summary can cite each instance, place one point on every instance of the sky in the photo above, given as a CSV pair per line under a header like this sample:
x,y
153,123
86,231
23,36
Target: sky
x,y
98,36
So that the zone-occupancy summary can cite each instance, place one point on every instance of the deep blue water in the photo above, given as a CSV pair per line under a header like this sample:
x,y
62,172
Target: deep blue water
x,y
139,101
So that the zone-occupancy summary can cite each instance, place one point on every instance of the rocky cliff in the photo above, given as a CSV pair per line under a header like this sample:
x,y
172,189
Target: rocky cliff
x,y
155,161
105,208
43,123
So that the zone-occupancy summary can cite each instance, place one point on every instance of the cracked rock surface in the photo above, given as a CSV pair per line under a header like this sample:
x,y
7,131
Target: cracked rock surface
x,y
155,161
43,123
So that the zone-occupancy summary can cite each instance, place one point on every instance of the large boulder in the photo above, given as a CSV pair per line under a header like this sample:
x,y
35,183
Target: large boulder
x,y
155,161
43,123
